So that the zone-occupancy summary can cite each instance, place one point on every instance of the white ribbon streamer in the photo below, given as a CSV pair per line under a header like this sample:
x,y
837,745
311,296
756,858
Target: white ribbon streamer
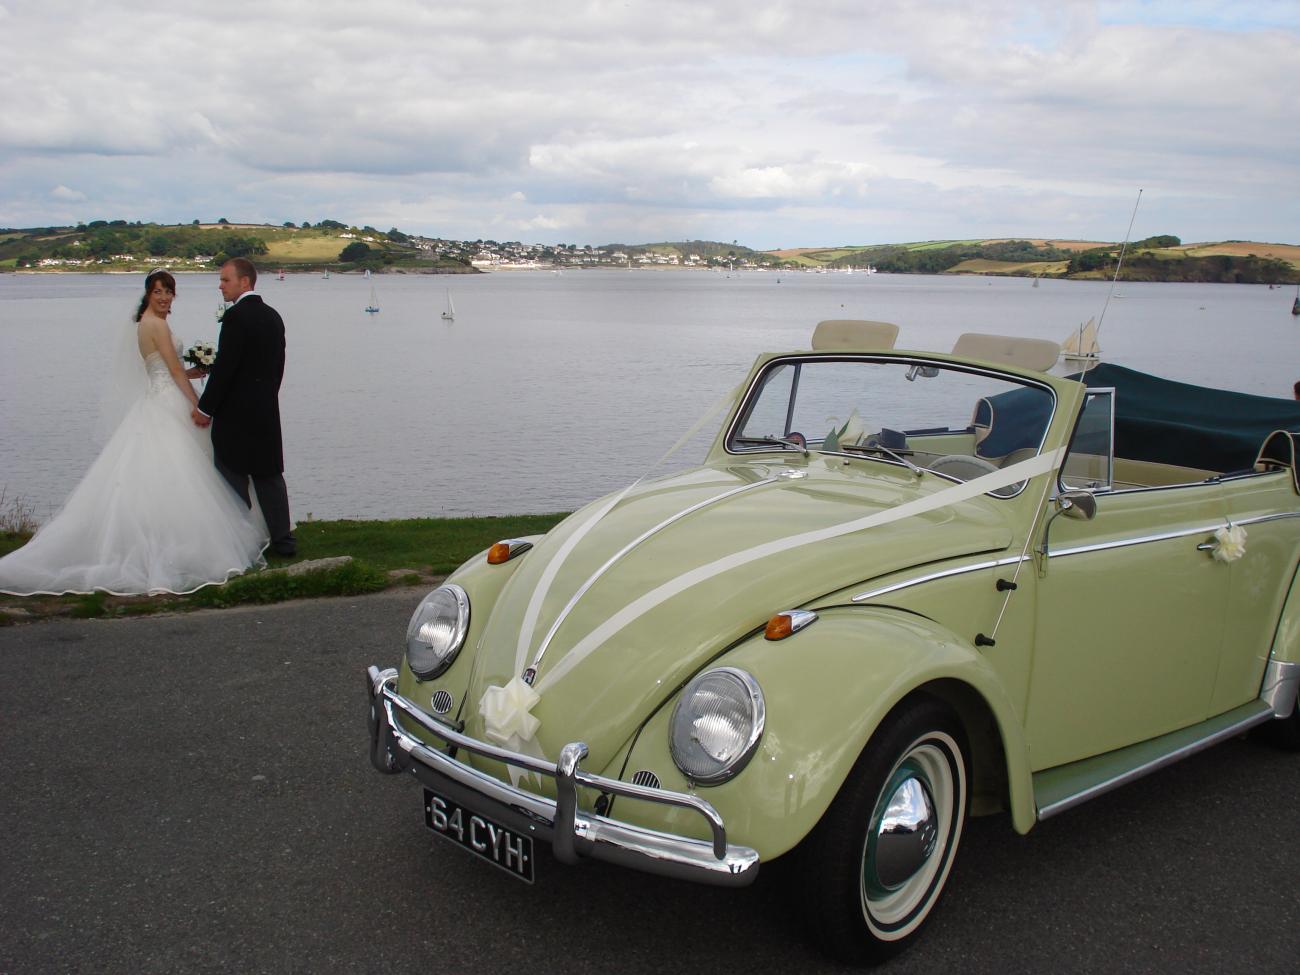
x,y
941,499
534,608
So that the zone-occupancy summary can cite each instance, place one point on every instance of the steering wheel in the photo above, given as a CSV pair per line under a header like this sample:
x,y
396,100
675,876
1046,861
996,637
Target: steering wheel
x,y
963,467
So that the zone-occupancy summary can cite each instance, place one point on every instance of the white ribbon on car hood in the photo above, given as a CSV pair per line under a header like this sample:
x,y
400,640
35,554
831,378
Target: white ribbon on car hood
x,y
634,610
534,608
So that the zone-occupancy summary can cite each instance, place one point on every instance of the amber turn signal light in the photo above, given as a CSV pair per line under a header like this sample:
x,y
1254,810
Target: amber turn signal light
x,y
778,627
787,624
507,549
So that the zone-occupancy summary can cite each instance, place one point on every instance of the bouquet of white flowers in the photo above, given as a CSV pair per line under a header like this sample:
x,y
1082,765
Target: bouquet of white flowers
x,y
201,354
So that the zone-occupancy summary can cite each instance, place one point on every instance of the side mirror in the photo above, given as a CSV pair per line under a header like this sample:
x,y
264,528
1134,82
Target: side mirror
x,y
1077,504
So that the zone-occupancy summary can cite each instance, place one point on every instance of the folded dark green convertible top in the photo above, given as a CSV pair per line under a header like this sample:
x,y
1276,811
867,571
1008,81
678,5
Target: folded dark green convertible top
x,y
1169,422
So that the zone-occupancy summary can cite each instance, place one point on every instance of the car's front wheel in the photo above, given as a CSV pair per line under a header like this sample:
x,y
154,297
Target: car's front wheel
x,y
876,864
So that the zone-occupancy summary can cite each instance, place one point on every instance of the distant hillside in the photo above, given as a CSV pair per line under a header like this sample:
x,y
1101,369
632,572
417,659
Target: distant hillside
x,y
117,245
107,245
1159,258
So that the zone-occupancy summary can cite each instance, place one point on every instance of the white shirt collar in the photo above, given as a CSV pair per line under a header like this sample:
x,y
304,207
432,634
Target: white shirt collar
x,y
245,295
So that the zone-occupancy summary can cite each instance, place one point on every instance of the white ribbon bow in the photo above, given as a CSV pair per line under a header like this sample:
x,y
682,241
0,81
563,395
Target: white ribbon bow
x,y
505,713
1230,543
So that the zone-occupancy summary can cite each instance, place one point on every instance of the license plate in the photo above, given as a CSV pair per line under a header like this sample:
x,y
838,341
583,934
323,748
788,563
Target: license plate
x,y
481,836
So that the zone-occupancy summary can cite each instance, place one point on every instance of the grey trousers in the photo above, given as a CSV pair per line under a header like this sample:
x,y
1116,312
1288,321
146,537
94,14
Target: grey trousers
x,y
272,497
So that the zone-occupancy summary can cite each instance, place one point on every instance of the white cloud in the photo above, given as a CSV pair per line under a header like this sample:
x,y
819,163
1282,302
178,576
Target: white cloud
x,y
62,192
540,222
780,122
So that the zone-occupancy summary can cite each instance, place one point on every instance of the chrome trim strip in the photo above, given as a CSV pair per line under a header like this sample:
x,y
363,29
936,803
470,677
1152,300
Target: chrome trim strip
x,y
1140,771
1138,540
1281,687
1211,481
1261,519
626,549
946,573
571,832
1166,536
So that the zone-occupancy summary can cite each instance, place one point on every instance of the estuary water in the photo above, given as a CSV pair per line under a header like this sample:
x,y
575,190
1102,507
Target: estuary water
x,y
548,390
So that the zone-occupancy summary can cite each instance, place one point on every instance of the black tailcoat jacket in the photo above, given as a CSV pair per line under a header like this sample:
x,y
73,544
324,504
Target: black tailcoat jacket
x,y
243,389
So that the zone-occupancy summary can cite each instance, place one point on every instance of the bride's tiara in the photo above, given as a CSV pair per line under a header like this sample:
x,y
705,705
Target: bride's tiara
x,y
157,270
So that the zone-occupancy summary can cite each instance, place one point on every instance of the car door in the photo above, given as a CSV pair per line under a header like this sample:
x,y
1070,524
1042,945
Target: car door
x,y
1128,614
1267,507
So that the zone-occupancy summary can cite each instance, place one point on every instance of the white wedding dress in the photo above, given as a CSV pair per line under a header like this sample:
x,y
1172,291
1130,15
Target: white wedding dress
x,y
151,515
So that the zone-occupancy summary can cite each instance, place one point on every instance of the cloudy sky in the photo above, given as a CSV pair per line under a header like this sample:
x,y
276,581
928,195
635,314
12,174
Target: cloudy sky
x,y
775,124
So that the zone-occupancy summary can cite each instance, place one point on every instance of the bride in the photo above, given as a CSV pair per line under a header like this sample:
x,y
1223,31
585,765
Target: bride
x,y
152,514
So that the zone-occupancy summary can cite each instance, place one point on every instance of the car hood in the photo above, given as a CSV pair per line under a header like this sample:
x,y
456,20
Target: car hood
x,y
634,593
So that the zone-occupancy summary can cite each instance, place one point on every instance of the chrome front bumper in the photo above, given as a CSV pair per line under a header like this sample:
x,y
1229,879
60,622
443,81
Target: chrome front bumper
x,y
572,833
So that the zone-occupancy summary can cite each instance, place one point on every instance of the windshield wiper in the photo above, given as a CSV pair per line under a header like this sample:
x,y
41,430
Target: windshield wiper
x,y
882,449
779,441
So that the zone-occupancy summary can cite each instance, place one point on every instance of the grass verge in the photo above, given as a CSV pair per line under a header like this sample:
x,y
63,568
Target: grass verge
x,y
384,553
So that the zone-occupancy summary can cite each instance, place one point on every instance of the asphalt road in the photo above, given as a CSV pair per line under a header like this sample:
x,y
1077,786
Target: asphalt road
x,y
192,794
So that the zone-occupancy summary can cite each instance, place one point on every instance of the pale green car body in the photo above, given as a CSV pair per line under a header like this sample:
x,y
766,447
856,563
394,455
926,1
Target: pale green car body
x,y
1122,646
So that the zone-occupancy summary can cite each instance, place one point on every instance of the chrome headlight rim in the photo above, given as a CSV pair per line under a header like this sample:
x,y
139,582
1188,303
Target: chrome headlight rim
x,y
460,628
758,720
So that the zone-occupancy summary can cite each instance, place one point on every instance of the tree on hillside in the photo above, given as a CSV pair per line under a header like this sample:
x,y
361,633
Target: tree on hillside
x,y
355,251
233,245
105,243
1090,260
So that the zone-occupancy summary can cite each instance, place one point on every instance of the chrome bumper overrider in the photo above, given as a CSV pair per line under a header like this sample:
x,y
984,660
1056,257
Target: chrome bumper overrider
x,y
572,833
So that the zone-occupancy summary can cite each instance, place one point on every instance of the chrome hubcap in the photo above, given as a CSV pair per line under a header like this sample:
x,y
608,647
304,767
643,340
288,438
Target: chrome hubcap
x,y
904,830
906,835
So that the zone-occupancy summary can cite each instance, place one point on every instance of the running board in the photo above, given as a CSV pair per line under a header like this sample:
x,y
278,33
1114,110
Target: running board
x,y
1066,786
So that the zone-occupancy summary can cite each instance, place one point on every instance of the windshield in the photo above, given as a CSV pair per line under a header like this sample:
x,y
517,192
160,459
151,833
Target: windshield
x,y
954,422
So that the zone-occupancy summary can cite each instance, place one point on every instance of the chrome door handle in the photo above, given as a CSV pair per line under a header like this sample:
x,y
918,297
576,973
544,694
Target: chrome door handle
x,y
1207,546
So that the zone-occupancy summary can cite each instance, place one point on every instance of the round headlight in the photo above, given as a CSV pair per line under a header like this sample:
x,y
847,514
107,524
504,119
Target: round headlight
x,y
437,631
716,725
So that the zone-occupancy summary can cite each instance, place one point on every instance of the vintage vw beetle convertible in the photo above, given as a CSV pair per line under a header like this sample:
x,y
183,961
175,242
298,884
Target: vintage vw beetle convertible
x,y
903,588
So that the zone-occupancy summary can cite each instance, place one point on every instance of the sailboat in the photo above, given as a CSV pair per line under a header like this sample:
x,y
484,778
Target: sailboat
x,y
280,276
450,314
1295,307
373,307
1080,348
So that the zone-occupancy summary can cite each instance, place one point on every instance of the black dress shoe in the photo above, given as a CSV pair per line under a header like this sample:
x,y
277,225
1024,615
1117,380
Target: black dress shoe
x,y
284,548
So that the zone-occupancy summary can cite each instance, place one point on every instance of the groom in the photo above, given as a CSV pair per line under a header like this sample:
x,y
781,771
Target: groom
x,y
241,400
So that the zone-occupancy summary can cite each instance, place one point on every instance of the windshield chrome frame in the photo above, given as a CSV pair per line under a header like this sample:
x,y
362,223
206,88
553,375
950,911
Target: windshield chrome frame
x,y
798,360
